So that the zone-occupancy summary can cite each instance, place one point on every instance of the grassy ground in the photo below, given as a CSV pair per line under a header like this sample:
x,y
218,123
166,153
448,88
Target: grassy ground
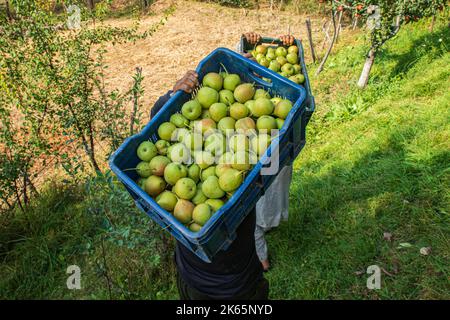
x,y
376,161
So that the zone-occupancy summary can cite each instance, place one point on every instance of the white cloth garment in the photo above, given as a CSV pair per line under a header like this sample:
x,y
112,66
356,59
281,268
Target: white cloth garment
x,y
272,208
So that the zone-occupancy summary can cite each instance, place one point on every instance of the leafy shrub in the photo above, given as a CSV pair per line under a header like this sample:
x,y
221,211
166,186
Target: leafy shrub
x,y
94,225
54,105
233,3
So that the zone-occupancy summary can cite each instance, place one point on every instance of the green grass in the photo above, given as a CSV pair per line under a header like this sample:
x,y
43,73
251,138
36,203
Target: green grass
x,y
381,165
94,226
376,161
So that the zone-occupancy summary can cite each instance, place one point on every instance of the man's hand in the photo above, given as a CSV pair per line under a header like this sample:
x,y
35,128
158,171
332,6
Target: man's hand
x,y
287,40
187,83
252,37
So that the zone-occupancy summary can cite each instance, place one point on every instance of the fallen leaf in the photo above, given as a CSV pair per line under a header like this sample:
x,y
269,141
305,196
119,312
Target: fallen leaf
x,y
404,245
425,251
387,236
386,272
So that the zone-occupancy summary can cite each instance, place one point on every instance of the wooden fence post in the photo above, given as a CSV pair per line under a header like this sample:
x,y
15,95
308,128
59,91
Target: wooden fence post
x,y
311,44
91,4
339,26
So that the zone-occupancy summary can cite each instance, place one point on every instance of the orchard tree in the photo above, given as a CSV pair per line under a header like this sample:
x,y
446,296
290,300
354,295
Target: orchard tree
x,y
54,106
384,20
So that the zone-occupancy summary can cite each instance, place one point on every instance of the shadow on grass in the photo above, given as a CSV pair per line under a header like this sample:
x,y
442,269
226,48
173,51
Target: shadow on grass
x,y
338,219
431,44
121,256
388,170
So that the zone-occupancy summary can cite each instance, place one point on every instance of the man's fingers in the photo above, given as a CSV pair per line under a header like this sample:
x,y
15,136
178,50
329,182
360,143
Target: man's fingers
x,y
185,88
257,38
291,40
193,77
191,82
287,40
190,74
182,86
252,37
188,82
193,73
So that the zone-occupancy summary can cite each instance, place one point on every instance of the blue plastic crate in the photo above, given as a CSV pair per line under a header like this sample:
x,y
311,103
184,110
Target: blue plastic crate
x,y
220,231
244,46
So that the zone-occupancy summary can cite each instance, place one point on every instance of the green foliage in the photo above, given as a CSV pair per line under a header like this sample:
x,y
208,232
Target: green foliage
x,y
94,226
389,15
233,3
54,83
375,161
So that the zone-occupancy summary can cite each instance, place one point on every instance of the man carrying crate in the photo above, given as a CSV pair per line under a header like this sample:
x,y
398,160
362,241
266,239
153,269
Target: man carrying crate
x,y
237,273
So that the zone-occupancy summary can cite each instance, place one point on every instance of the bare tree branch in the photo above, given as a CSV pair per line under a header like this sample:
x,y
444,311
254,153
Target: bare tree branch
x,y
319,70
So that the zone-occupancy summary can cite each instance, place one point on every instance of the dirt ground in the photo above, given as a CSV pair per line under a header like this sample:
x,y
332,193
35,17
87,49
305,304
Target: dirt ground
x,y
191,32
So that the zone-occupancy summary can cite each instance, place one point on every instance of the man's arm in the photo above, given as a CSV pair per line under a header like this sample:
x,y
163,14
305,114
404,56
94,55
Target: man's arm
x,y
187,83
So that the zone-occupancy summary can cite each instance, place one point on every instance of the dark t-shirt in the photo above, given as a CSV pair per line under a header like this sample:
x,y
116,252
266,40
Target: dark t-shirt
x,y
234,272
231,273
160,103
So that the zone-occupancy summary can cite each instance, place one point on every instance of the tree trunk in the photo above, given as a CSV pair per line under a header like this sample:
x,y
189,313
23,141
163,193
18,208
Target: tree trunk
x,y
433,21
91,4
311,44
325,28
25,191
319,70
32,186
8,11
355,23
89,152
364,78
19,202
339,26
92,149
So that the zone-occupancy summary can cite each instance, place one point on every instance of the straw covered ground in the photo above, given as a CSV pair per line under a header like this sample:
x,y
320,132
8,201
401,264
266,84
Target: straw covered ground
x,y
191,32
